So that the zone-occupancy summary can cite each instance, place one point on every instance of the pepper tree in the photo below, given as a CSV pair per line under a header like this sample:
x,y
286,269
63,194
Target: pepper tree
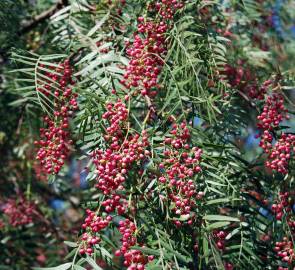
x,y
155,97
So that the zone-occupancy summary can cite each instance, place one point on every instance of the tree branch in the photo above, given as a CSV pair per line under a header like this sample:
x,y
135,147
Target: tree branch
x,y
42,17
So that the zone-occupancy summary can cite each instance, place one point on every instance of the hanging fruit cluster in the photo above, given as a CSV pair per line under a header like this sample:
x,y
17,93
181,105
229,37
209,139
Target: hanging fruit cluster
x,y
278,155
179,166
55,143
18,211
283,208
148,50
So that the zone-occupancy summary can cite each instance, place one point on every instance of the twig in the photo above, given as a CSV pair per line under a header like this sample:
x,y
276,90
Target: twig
x,y
151,107
148,102
42,17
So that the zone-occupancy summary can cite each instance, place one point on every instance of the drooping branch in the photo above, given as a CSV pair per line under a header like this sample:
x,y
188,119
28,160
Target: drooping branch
x,y
29,25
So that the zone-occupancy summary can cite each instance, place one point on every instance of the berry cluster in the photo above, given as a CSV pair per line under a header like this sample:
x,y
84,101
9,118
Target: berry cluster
x,y
117,116
167,8
219,237
133,259
180,165
124,150
54,145
285,250
279,154
274,112
149,48
237,76
284,205
92,225
19,211
245,80
228,266
278,209
266,141
55,142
